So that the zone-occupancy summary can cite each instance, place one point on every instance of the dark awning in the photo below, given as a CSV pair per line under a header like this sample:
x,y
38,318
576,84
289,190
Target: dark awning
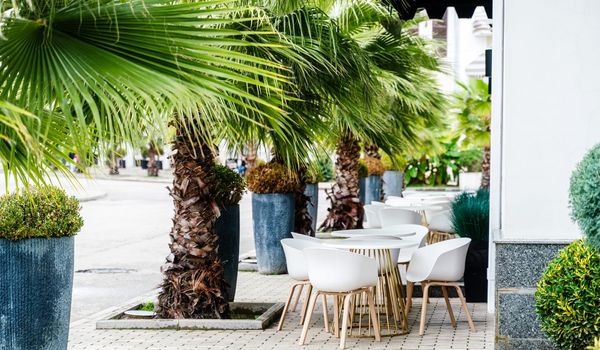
x,y
437,8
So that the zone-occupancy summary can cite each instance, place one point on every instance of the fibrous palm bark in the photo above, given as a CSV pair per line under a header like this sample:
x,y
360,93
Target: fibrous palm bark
x,y
193,285
485,168
302,219
346,211
152,166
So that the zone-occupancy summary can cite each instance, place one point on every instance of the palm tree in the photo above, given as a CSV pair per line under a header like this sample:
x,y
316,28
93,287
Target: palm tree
x,y
405,102
474,120
109,70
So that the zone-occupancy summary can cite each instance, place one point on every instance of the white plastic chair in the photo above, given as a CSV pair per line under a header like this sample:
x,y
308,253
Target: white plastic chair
x,y
306,237
296,266
398,216
340,273
372,215
420,239
441,222
440,264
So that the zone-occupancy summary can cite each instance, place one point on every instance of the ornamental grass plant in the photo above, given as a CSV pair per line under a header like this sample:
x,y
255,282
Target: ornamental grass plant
x,y
470,215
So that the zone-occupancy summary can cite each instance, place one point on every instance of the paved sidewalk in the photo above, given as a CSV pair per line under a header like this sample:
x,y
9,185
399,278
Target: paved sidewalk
x,y
255,287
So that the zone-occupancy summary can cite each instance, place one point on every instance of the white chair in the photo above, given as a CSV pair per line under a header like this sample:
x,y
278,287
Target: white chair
x,y
378,204
372,215
440,264
441,227
340,273
296,266
398,216
420,239
306,237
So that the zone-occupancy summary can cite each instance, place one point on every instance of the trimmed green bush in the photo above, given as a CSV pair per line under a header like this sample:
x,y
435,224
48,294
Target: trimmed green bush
x,y
271,178
584,195
471,215
46,212
230,185
568,297
363,171
374,166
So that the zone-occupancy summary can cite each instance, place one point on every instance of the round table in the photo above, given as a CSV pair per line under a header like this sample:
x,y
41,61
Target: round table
x,y
395,231
418,207
389,295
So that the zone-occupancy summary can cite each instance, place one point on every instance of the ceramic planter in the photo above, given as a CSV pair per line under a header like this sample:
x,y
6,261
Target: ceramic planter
x,y
144,163
273,220
362,189
35,297
393,182
312,192
372,189
475,277
227,228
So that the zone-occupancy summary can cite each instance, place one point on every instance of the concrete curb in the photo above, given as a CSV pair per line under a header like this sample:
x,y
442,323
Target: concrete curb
x,y
90,197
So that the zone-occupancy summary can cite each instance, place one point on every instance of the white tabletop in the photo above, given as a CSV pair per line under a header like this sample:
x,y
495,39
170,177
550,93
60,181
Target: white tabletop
x,y
369,244
396,231
414,206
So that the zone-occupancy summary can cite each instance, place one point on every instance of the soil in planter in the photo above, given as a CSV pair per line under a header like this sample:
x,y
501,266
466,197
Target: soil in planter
x,y
237,313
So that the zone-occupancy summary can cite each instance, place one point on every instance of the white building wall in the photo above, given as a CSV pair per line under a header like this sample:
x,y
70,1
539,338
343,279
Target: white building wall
x,y
550,113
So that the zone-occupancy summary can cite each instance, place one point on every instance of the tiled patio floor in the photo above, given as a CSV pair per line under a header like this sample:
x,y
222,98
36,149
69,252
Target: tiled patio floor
x,y
255,287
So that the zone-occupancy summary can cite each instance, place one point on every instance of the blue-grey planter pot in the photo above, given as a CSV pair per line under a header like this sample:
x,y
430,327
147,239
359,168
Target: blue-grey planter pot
x,y
372,189
362,189
312,192
273,218
36,282
227,228
392,183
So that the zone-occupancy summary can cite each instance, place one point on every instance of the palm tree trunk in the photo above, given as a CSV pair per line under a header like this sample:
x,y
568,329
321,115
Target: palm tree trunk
x,y
251,157
302,219
152,167
193,286
485,168
346,211
113,165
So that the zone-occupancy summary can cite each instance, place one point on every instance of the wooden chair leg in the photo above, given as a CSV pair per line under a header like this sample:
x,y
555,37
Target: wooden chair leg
x,y
409,293
325,313
448,306
285,308
309,312
336,315
298,297
345,317
308,293
371,301
424,307
464,305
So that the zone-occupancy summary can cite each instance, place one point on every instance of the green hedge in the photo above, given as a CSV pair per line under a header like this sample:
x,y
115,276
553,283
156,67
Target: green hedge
x,y
568,297
470,215
46,212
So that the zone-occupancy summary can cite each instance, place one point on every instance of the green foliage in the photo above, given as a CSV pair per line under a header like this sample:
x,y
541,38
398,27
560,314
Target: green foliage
x,y
596,345
325,168
436,169
314,173
470,160
396,163
470,215
584,195
148,306
374,166
271,178
474,105
568,297
363,170
230,186
46,212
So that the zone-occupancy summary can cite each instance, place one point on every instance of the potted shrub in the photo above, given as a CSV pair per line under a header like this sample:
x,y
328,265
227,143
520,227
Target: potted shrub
x,y
469,163
568,295
36,253
363,173
228,193
470,218
313,177
393,176
272,186
373,188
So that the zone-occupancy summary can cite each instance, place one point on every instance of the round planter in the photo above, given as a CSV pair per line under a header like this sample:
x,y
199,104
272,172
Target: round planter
x,y
475,277
372,189
37,283
273,219
393,181
312,192
227,228
362,189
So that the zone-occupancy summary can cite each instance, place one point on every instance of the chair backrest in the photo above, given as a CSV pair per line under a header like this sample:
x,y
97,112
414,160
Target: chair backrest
x,y
398,216
300,236
441,222
443,261
294,257
338,270
378,204
372,214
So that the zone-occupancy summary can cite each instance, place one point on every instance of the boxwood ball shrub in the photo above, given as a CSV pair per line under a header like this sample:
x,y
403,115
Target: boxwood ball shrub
x,y
470,215
42,213
230,185
584,195
568,297
271,178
